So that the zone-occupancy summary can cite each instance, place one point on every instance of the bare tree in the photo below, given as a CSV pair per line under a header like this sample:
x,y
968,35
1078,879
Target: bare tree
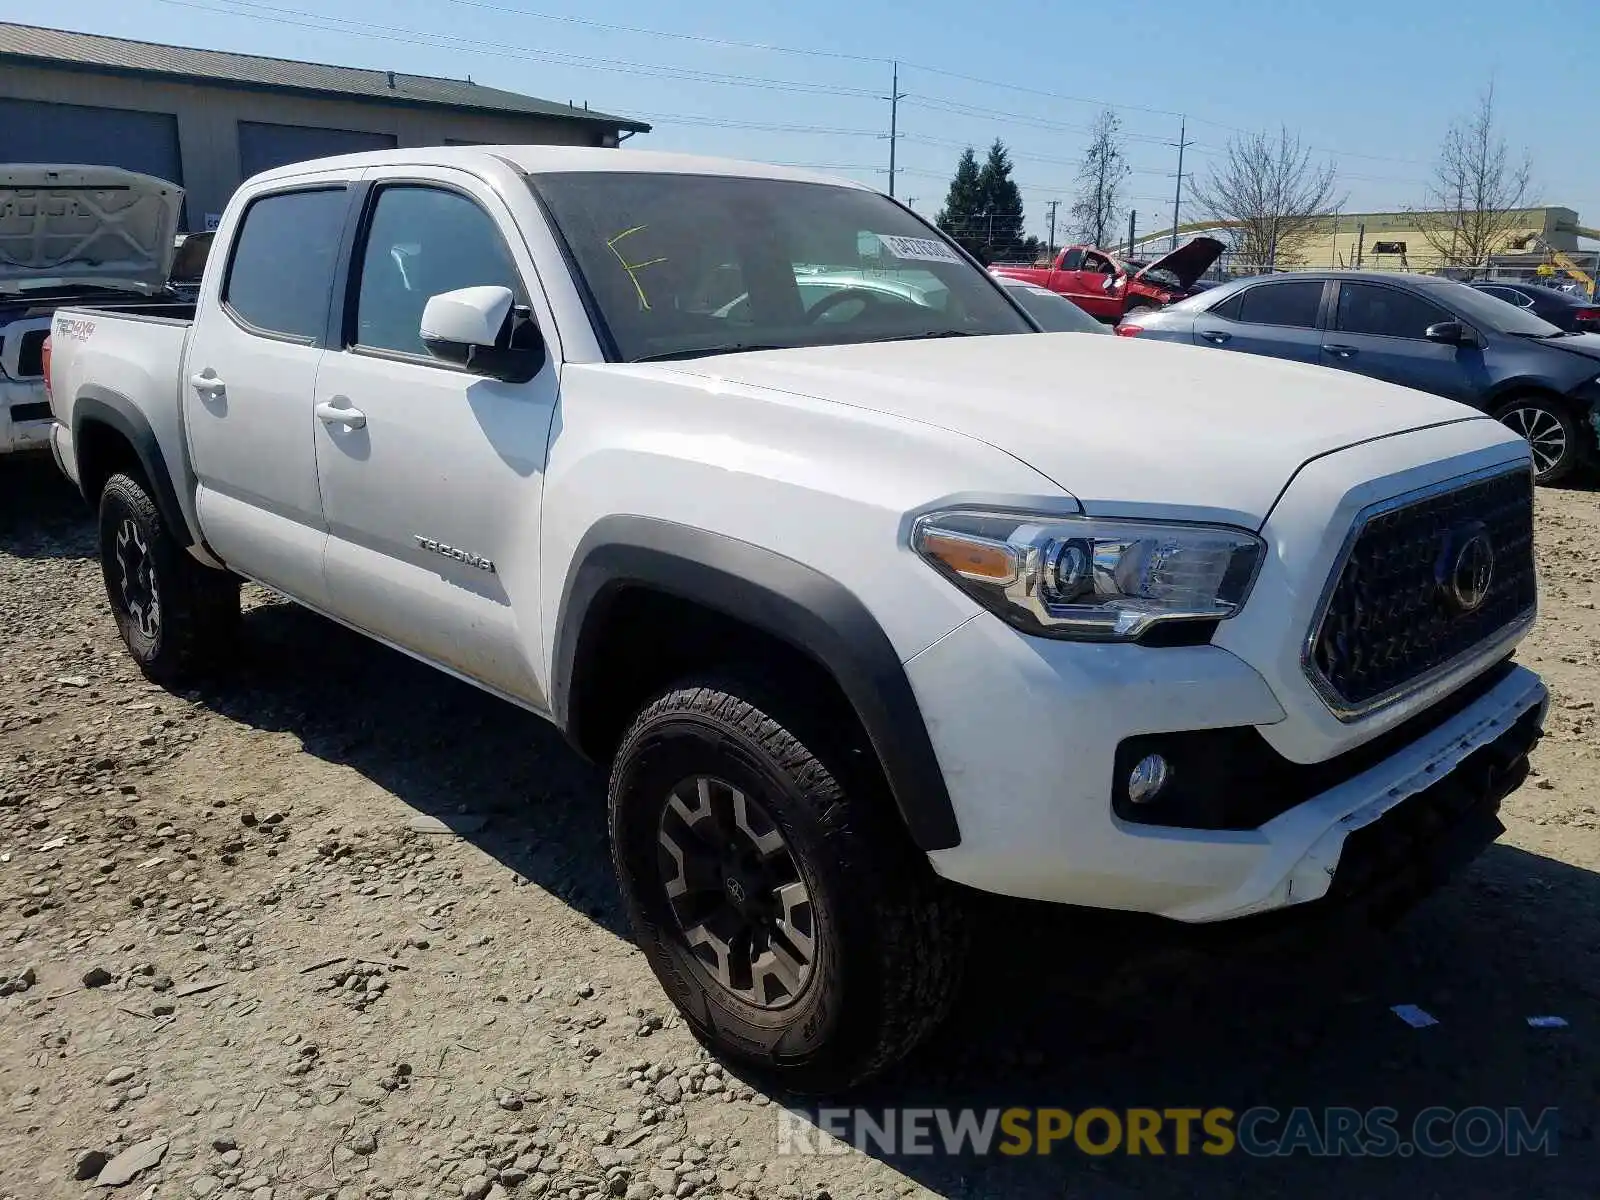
x,y
1272,192
1478,194
1098,206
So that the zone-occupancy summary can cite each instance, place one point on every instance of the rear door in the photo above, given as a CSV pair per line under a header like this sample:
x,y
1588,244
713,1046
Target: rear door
x,y
1278,318
432,491
249,382
1378,330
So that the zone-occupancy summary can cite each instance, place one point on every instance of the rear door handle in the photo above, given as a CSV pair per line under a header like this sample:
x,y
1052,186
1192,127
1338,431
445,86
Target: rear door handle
x,y
351,418
206,381
1341,351
1216,338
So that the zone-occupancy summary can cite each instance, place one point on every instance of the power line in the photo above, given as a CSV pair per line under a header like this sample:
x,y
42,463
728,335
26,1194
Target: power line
x,y
703,39
394,33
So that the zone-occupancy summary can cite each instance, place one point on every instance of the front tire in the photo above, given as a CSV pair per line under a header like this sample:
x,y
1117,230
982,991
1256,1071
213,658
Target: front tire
x,y
774,894
175,616
1551,430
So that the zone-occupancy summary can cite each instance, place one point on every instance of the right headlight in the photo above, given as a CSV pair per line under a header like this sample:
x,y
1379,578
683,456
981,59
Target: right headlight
x,y
1089,578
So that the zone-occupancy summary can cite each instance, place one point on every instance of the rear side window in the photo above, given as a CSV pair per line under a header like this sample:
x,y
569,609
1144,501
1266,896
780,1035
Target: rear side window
x,y
1509,296
280,278
1293,303
1385,312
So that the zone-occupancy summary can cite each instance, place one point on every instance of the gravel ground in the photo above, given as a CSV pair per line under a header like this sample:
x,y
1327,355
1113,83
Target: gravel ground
x,y
343,927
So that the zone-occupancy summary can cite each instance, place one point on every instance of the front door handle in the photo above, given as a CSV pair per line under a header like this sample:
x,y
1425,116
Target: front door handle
x,y
350,418
206,382
1341,351
1216,339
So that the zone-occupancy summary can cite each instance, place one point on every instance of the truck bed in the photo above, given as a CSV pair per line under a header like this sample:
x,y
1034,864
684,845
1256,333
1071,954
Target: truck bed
x,y
128,362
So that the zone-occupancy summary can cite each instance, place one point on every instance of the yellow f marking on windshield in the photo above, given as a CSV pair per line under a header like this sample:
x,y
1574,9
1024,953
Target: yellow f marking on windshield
x,y
630,268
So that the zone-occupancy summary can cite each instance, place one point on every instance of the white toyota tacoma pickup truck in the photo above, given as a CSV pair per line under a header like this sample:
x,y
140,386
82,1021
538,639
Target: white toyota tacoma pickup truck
x,y
862,593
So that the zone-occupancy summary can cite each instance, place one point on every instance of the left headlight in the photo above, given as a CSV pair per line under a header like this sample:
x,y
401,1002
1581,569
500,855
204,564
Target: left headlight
x,y
1088,578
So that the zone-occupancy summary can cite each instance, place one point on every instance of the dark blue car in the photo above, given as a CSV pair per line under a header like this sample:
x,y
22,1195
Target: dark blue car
x,y
1420,331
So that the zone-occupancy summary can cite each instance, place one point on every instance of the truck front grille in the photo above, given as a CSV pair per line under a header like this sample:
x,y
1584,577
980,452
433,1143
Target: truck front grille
x,y
1424,581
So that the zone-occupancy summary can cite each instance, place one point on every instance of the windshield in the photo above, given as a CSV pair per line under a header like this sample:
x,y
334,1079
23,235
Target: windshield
x,y
1055,314
1483,309
685,265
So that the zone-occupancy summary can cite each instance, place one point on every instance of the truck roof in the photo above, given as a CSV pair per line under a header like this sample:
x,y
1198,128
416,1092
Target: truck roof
x,y
547,159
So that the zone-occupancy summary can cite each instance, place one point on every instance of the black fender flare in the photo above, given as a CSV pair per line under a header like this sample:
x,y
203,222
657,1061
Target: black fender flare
x,y
98,405
783,598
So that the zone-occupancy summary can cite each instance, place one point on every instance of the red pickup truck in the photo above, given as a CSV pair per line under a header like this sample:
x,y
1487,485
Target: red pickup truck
x,y
1109,289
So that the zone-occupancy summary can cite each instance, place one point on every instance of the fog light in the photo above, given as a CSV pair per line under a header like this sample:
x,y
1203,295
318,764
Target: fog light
x,y
1148,777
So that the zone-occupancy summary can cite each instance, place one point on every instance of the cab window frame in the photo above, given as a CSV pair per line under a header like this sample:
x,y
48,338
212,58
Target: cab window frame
x,y
318,339
348,337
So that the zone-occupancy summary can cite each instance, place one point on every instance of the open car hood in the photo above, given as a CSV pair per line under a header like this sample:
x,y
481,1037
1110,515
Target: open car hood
x,y
1187,263
63,225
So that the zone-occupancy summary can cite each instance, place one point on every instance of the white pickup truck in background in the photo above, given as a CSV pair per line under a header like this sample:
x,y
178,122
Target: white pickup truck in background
x,y
72,235
864,588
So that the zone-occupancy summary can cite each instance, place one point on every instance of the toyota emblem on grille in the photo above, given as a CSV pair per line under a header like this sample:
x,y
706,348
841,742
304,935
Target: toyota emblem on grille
x,y
1466,568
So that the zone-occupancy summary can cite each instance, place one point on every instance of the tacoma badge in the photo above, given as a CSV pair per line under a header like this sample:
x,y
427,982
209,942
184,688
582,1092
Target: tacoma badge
x,y
461,556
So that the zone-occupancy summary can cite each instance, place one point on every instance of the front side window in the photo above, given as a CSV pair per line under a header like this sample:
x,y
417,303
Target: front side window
x,y
423,241
1293,303
280,277
1385,312
685,265
1072,260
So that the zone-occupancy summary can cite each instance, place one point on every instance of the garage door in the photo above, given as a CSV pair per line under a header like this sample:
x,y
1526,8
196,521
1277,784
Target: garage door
x,y
33,131
262,147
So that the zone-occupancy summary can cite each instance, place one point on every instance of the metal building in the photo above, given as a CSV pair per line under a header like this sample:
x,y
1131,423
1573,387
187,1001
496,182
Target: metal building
x,y
208,119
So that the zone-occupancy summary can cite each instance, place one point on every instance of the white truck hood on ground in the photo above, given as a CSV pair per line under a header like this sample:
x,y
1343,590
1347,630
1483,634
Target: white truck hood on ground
x,y
1126,427
64,225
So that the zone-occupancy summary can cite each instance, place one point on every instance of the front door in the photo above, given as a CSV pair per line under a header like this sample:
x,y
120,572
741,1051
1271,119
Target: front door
x,y
1379,331
431,476
1278,319
1088,289
248,385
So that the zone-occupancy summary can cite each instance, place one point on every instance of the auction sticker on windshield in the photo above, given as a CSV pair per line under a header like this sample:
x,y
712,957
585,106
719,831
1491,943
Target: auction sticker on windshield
x,y
918,249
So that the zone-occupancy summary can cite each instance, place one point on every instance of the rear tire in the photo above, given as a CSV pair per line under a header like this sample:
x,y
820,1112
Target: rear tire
x,y
774,894
175,616
1551,429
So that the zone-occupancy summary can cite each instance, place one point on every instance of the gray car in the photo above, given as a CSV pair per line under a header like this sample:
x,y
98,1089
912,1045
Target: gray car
x,y
1420,331
1052,313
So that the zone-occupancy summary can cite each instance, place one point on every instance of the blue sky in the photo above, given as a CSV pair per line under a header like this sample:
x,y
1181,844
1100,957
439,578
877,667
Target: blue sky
x,y
1372,85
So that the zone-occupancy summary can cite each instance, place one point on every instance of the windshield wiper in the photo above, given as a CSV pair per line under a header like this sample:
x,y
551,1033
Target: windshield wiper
x,y
703,351
932,333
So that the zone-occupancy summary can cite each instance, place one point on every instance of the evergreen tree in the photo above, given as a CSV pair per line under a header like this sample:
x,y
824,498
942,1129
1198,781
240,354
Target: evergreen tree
x,y
962,214
1002,205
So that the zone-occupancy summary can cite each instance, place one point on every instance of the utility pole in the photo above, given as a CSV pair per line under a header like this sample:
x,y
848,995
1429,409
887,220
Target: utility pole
x,y
894,98
1177,196
1053,206
1133,215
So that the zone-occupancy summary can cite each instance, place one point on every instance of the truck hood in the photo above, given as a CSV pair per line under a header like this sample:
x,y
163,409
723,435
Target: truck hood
x,y
63,225
1187,263
1128,428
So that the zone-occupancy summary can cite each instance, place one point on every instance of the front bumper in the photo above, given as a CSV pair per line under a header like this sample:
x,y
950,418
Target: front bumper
x,y
1031,779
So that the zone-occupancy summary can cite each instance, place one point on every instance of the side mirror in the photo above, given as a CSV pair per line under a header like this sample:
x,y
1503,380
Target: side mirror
x,y
484,330
1110,285
1450,333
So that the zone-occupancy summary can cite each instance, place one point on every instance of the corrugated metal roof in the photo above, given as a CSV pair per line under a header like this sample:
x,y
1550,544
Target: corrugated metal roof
x,y
88,51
